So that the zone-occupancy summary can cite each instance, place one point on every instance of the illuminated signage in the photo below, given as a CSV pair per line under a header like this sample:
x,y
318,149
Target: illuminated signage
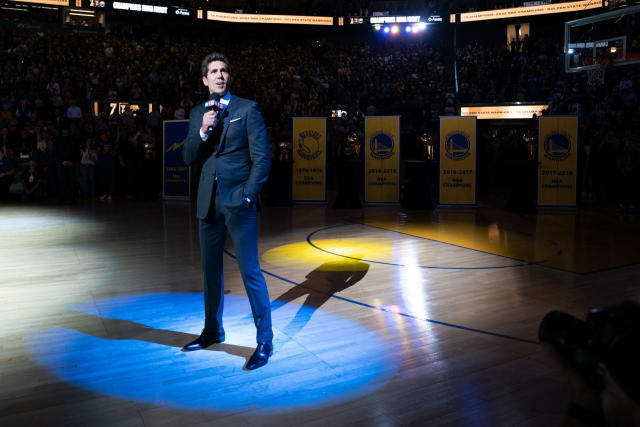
x,y
136,7
50,2
393,19
503,111
587,44
543,9
247,18
434,18
116,108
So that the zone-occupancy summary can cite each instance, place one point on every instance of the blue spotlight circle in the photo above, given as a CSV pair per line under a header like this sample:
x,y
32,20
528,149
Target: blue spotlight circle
x,y
407,29
387,29
129,347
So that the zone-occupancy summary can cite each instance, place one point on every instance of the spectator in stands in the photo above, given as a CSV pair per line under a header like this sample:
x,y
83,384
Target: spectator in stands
x,y
106,168
73,111
45,163
66,151
32,183
88,159
7,172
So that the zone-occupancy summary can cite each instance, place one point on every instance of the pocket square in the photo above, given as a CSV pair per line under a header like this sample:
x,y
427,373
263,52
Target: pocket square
x,y
233,120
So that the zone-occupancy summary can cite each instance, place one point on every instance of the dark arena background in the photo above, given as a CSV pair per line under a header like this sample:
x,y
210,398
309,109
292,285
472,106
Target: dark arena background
x,y
410,311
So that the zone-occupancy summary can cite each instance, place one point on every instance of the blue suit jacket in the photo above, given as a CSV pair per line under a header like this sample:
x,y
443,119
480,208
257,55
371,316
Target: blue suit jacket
x,y
240,162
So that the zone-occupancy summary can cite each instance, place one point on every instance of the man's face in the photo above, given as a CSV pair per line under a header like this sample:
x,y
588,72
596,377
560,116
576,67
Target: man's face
x,y
217,78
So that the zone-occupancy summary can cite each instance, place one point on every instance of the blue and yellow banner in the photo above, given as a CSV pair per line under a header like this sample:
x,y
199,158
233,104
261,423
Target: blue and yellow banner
x,y
457,160
309,159
382,159
176,181
558,158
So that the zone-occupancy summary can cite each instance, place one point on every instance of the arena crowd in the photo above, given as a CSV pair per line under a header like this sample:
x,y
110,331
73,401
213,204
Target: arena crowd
x,y
49,82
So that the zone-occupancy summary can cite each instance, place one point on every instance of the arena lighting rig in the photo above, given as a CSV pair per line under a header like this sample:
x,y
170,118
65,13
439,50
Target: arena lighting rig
x,y
398,28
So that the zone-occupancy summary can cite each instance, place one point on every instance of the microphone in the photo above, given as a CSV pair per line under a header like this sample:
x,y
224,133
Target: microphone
x,y
214,104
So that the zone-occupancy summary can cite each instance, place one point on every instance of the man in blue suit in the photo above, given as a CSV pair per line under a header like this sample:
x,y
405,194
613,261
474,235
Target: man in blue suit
x,y
231,139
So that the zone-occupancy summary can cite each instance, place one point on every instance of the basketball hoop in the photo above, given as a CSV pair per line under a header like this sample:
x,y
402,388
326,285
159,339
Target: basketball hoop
x,y
596,74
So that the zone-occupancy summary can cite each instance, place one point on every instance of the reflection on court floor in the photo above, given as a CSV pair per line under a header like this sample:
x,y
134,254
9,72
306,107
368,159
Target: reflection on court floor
x,y
580,242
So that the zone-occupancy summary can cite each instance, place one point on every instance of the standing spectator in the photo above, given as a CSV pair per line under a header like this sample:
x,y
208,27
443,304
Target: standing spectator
x,y
66,159
32,183
44,162
88,159
7,172
106,165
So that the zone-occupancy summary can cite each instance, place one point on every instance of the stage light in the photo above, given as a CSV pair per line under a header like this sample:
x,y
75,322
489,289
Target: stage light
x,y
377,27
387,29
395,29
407,29
420,26
570,51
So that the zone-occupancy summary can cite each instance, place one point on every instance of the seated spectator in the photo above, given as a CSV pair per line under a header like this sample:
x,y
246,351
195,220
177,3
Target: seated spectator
x,y
73,111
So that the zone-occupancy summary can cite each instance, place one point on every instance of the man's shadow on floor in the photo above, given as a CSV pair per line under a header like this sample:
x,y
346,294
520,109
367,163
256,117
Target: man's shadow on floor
x,y
320,285
118,329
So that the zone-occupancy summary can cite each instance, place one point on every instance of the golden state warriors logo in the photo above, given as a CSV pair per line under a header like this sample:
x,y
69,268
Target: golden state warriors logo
x,y
381,146
457,146
557,146
308,144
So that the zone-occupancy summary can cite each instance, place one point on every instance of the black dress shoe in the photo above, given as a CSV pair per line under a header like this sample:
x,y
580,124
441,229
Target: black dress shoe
x,y
260,357
201,342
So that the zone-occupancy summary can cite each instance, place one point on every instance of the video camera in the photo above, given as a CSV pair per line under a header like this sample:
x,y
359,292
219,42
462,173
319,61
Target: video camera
x,y
609,335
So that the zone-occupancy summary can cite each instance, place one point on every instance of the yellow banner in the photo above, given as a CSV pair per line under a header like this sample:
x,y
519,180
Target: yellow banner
x,y
382,159
543,9
252,18
309,158
558,157
458,160
50,2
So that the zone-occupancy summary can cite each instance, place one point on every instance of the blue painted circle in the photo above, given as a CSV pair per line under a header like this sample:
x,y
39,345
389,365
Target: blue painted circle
x,y
129,347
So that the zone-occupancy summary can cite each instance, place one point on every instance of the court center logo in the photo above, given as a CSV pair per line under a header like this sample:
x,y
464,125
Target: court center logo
x,y
382,146
557,146
457,146
308,144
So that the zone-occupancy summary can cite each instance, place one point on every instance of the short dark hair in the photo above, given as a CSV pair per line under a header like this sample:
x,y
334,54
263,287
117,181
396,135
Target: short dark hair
x,y
215,56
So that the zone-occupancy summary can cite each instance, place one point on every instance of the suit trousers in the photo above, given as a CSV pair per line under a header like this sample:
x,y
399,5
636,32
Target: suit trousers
x,y
242,225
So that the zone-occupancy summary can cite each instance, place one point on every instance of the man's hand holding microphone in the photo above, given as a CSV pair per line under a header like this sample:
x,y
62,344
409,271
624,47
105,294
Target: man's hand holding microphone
x,y
209,120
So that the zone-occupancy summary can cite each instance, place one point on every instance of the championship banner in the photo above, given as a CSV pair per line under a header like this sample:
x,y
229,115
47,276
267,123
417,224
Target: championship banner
x,y
176,181
309,159
457,160
382,159
558,158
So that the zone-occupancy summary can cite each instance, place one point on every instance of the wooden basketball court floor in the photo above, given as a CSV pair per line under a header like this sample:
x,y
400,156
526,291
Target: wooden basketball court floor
x,y
382,317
